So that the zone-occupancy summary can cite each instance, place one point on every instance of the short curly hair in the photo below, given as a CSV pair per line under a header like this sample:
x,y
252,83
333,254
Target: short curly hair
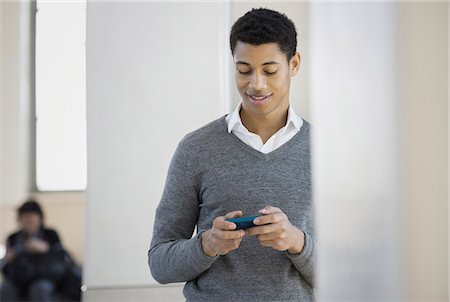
x,y
262,25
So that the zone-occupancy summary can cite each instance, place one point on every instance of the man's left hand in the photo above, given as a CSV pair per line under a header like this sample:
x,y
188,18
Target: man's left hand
x,y
279,233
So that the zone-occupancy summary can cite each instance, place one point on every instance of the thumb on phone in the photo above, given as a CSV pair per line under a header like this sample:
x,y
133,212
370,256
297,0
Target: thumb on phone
x,y
233,214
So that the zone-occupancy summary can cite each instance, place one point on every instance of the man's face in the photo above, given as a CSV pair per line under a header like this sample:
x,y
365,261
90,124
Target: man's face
x,y
30,222
263,76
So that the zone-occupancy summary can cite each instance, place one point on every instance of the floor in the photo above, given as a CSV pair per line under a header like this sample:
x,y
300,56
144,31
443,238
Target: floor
x,y
166,293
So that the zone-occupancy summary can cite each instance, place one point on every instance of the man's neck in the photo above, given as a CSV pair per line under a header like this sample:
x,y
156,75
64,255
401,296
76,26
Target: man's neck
x,y
264,125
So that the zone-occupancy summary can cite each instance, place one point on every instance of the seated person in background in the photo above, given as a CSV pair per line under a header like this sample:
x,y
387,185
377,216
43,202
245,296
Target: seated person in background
x,y
35,261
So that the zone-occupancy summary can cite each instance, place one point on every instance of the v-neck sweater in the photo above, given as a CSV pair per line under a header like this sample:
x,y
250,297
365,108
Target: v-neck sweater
x,y
213,172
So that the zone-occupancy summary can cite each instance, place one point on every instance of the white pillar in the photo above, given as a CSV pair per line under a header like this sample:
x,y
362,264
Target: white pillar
x,y
379,92
423,70
16,101
355,150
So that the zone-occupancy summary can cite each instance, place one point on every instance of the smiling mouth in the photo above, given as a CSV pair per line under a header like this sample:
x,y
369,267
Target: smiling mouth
x,y
258,99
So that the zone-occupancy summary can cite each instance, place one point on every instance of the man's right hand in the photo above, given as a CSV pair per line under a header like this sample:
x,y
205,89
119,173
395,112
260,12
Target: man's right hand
x,y
222,238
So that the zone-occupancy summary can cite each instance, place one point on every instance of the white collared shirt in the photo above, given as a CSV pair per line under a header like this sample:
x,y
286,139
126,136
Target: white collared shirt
x,y
282,136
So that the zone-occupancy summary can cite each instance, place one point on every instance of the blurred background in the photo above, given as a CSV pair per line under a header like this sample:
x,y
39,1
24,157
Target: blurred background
x,y
95,96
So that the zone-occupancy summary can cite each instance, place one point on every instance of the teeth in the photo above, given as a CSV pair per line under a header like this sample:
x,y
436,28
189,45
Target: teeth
x,y
259,97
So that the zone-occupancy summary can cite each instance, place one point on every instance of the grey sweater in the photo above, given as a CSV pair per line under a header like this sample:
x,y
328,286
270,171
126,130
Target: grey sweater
x,y
211,173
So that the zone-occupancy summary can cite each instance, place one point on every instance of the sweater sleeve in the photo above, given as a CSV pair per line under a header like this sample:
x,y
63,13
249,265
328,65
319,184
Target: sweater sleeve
x,y
174,255
305,260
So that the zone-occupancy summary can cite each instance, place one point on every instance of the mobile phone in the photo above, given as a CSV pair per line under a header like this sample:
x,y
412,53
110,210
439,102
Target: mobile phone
x,y
243,223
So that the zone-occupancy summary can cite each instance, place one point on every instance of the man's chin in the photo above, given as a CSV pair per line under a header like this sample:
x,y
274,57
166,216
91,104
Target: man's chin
x,y
257,110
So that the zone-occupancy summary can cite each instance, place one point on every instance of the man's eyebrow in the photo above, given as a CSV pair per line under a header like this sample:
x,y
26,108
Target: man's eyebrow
x,y
266,63
271,62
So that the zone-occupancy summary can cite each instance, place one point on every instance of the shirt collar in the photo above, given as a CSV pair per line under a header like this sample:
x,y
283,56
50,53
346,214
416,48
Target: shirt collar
x,y
293,119
235,119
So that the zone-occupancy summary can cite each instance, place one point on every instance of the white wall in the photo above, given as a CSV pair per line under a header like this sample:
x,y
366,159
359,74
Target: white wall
x,y
152,76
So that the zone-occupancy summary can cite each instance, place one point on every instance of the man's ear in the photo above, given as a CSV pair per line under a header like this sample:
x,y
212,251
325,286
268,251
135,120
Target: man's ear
x,y
294,64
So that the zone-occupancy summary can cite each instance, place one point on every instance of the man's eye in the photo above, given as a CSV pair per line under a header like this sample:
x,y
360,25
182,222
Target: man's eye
x,y
271,72
244,72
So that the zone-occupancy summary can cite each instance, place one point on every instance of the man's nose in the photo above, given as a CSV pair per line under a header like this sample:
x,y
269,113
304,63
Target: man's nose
x,y
257,82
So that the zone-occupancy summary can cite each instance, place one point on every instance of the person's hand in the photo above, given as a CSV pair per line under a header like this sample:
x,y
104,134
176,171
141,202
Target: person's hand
x,y
35,245
222,238
279,233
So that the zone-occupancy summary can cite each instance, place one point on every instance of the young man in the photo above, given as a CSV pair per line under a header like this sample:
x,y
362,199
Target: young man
x,y
33,238
254,160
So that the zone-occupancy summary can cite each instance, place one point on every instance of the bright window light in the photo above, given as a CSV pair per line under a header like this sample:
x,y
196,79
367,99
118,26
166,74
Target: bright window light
x,y
2,251
61,95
